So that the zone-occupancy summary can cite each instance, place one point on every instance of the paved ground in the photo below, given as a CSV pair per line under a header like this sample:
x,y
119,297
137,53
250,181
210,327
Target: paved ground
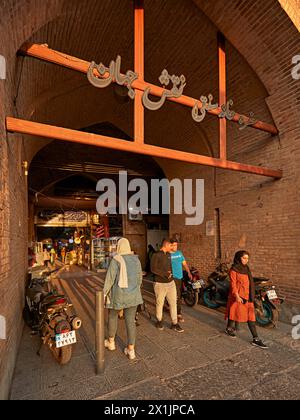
x,y
202,363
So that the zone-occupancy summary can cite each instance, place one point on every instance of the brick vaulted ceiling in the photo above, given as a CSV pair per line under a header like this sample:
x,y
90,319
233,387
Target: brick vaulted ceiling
x,y
178,36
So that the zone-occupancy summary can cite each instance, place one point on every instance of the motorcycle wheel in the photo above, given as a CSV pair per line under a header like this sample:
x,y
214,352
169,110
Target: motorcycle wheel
x,y
190,297
208,300
62,355
269,318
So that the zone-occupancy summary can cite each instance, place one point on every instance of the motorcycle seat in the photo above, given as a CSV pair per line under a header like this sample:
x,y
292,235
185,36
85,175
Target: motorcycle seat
x,y
261,280
51,299
36,294
221,284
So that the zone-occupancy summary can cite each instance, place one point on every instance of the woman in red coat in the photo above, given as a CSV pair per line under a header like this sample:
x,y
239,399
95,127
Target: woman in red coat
x,y
240,306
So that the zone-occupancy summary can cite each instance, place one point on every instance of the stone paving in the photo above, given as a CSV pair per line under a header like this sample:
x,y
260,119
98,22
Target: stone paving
x,y
202,363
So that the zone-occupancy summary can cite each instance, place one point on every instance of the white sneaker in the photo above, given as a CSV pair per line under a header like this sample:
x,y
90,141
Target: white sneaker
x,y
110,345
129,353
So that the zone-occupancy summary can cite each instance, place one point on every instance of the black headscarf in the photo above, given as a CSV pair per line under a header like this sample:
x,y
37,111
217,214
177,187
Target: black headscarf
x,y
239,267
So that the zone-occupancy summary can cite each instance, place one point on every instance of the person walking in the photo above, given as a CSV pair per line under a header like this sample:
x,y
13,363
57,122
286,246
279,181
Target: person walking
x,y
164,286
46,256
122,291
63,254
52,256
240,306
178,263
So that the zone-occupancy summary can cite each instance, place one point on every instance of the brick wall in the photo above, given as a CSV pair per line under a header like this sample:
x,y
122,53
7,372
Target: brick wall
x,y
15,28
13,248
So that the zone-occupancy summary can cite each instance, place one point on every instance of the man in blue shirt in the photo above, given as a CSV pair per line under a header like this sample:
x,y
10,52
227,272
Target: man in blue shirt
x,y
178,263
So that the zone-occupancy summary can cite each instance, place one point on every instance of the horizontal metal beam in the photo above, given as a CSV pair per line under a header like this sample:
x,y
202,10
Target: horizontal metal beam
x,y
43,52
74,136
67,203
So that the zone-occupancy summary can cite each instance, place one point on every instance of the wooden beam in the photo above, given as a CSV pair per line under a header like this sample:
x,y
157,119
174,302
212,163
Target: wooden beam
x,y
139,69
74,136
43,52
222,95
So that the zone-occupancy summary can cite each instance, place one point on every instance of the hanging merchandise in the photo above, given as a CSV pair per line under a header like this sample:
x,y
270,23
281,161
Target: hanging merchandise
x,y
100,231
77,238
103,250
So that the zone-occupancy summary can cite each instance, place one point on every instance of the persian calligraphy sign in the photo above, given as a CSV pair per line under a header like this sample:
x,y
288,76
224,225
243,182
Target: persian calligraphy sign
x,y
67,219
112,74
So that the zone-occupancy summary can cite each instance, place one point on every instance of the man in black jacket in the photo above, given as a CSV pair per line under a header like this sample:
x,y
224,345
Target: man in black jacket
x,y
164,286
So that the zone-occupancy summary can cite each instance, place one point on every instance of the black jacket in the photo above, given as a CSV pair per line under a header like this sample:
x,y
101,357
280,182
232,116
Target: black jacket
x,y
161,267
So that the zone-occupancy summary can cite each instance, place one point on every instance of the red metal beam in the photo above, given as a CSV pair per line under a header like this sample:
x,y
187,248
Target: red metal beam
x,y
42,52
64,134
139,69
222,95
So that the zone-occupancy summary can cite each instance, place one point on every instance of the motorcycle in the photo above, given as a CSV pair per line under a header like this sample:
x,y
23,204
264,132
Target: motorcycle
x,y
216,293
192,289
266,302
47,313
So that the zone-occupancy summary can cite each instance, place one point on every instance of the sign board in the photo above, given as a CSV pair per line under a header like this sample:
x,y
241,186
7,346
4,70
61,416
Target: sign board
x,y
67,219
210,228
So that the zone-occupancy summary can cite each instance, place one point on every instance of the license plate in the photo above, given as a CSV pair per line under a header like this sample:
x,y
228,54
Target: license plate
x,y
65,339
272,294
197,285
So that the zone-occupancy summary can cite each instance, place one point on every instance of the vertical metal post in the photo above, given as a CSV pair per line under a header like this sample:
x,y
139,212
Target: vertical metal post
x,y
91,243
100,332
139,27
222,94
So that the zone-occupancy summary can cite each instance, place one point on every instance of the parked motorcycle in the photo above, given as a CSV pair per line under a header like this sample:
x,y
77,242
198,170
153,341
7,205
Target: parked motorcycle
x,y
217,291
192,289
47,313
267,303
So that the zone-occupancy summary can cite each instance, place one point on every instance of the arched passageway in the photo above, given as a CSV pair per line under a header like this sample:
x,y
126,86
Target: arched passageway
x,y
64,179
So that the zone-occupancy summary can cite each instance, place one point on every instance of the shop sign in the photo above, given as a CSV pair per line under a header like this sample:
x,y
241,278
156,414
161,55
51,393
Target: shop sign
x,y
67,219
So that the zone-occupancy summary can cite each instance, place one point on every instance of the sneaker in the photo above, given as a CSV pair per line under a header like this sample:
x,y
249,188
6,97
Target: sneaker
x,y
231,333
110,345
259,343
180,318
159,325
177,328
130,353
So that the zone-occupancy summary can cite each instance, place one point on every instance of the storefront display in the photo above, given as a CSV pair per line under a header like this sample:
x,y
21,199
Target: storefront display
x,y
103,251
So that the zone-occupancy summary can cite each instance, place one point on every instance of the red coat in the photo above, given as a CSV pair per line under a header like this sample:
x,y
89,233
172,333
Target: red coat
x,y
239,312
